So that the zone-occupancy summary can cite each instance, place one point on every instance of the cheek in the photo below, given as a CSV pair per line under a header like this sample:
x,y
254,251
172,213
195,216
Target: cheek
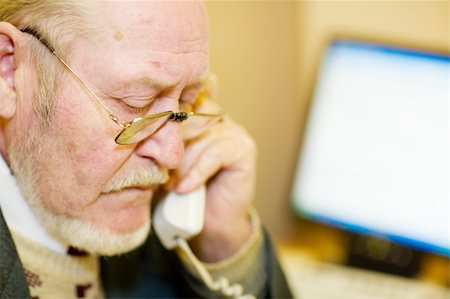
x,y
79,156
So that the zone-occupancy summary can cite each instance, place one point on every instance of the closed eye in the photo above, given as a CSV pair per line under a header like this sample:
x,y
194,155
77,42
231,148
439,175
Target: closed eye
x,y
136,106
137,110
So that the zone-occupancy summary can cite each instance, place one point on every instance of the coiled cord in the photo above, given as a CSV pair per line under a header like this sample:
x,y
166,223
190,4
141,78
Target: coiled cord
x,y
221,285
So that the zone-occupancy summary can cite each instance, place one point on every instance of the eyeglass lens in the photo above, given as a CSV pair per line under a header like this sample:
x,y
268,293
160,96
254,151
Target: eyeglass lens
x,y
144,127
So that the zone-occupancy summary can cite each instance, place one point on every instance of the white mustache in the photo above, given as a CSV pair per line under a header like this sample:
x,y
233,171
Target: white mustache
x,y
144,179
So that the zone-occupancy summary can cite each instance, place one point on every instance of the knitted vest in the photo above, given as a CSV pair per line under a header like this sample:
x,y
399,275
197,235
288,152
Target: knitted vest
x,y
53,275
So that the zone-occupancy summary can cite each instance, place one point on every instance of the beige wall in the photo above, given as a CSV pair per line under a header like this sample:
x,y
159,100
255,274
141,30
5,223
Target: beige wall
x,y
265,54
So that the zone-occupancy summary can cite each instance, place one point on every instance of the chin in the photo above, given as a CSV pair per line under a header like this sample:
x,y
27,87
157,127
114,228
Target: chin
x,y
123,222
95,239
103,241
121,212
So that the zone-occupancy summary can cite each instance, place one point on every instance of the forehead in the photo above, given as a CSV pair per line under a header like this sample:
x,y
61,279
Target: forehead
x,y
170,37
161,22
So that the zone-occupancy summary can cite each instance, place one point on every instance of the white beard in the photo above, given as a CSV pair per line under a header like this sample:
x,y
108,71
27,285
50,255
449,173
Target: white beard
x,y
83,235
70,231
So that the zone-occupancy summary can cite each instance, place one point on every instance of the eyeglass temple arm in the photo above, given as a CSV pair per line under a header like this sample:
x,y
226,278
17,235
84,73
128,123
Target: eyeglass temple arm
x,y
48,46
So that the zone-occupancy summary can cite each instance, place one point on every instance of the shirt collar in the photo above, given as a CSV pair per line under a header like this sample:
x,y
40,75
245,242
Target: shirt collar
x,y
18,215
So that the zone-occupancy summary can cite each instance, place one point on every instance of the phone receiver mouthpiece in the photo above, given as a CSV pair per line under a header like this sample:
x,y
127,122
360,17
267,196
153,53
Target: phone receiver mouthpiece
x,y
179,215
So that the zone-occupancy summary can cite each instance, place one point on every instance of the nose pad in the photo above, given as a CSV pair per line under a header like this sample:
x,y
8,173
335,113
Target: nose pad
x,y
166,146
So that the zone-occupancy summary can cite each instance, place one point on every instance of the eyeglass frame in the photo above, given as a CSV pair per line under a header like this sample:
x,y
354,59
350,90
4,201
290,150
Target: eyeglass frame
x,y
173,116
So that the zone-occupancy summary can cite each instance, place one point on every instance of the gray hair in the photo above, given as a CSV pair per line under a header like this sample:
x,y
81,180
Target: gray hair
x,y
58,22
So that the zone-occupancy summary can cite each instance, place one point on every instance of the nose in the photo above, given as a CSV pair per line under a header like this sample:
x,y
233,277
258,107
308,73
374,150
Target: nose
x,y
165,146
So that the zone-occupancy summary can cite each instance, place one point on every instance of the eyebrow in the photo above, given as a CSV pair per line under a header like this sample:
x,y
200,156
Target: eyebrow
x,y
150,81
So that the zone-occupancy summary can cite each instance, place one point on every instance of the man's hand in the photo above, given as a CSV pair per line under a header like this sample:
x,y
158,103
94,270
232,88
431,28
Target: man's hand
x,y
223,159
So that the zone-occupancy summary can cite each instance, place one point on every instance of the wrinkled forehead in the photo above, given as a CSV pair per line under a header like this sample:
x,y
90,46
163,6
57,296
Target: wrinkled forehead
x,y
160,25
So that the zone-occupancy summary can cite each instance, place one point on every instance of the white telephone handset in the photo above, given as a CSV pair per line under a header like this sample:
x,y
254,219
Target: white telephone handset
x,y
179,217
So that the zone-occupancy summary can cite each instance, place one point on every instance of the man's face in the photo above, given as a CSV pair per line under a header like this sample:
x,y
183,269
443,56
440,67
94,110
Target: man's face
x,y
145,57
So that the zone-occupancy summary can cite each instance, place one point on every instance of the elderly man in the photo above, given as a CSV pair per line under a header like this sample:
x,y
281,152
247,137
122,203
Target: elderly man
x,y
102,105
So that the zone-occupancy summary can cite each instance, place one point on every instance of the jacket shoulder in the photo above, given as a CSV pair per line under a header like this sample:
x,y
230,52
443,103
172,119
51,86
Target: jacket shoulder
x,y
12,277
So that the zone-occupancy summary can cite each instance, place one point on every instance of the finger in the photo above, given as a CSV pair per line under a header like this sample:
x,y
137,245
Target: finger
x,y
226,147
189,162
194,150
192,153
203,164
221,146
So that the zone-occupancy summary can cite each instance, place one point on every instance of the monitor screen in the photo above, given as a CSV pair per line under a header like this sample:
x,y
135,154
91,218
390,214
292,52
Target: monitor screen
x,y
374,156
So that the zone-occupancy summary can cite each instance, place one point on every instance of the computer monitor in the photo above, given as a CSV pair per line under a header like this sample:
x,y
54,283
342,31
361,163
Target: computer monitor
x,y
374,156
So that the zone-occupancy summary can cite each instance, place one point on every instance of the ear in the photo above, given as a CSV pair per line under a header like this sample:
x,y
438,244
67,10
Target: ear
x,y
8,36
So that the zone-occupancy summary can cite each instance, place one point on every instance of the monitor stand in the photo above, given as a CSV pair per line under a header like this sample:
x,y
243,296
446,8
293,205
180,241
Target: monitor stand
x,y
382,255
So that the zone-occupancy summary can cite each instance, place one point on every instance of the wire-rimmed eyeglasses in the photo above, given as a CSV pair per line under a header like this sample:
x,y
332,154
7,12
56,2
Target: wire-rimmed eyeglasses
x,y
143,127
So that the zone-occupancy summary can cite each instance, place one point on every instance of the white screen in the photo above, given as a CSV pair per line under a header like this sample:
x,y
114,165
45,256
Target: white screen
x,y
375,152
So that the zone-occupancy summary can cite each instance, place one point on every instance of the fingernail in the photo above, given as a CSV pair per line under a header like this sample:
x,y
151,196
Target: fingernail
x,y
10,81
3,65
184,185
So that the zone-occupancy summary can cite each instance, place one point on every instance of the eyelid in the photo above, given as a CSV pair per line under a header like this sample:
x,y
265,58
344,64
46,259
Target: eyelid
x,y
132,105
137,110
137,103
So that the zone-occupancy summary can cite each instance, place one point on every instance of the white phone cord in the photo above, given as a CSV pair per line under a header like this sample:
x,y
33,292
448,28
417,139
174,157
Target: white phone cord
x,y
222,284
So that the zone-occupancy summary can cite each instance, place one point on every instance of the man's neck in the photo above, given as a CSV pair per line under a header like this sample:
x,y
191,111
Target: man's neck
x,y
18,215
